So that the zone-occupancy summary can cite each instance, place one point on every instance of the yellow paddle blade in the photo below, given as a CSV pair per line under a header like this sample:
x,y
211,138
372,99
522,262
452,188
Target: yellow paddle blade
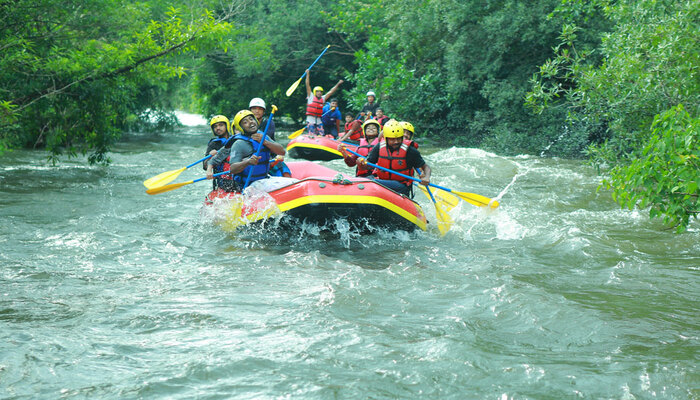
x,y
444,220
167,188
297,133
162,179
446,199
477,199
293,87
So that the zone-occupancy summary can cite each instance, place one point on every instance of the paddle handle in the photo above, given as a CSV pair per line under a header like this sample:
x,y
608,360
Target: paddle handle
x,y
315,61
260,145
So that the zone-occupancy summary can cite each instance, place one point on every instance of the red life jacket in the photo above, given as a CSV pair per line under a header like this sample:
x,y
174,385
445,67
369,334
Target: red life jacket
x,y
411,143
364,148
315,108
357,133
395,161
382,120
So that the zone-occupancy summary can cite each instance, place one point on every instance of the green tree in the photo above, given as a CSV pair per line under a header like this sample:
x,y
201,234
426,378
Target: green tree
x,y
666,174
648,67
74,73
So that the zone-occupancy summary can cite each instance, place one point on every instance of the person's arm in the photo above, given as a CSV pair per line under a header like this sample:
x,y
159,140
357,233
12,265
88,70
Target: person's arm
x,y
217,160
275,147
425,174
210,149
238,167
333,90
350,159
308,84
270,144
415,160
345,134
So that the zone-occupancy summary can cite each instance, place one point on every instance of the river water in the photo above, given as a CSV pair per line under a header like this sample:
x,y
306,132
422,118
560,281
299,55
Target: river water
x,y
107,292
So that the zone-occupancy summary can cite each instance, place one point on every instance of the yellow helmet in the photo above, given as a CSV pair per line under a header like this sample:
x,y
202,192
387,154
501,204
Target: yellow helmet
x,y
220,118
239,116
393,129
408,126
370,122
317,88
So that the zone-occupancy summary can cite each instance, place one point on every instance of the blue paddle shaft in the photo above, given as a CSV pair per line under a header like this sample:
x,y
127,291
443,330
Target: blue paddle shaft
x,y
260,145
398,173
198,161
317,58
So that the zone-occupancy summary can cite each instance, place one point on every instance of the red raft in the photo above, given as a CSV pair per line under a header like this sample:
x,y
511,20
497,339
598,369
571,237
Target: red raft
x,y
318,195
316,148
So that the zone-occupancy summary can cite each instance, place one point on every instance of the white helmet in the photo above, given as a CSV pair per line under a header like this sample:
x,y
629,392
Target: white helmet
x,y
371,93
257,102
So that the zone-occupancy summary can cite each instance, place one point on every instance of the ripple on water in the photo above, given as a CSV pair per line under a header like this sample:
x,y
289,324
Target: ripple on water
x,y
107,292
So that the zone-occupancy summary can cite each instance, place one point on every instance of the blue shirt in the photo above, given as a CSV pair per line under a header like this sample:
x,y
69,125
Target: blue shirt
x,y
329,117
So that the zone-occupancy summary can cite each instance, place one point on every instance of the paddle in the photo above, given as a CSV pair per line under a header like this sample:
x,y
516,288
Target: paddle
x,y
260,145
446,199
471,198
444,219
295,84
168,176
172,186
297,133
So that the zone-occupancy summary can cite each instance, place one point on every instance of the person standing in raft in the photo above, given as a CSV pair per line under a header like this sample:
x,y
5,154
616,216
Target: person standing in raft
x,y
257,106
370,108
331,118
353,128
314,105
221,127
239,153
370,132
394,154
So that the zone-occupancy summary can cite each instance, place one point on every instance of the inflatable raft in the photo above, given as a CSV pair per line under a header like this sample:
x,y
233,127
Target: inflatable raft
x,y
319,195
315,148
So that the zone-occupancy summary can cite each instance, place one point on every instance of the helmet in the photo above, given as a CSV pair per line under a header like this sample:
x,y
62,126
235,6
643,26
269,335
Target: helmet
x,y
220,118
408,126
317,88
370,122
371,93
239,116
393,129
257,102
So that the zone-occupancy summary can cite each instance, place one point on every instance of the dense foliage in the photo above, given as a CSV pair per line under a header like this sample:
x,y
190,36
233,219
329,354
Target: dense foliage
x,y
597,74
75,73
642,101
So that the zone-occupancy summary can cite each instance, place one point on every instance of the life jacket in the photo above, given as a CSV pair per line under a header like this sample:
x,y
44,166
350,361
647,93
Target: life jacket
x,y
411,143
395,161
260,170
357,133
363,149
315,108
217,144
382,120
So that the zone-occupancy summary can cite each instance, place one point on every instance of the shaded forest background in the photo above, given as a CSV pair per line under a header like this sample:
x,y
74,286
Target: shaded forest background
x,y
614,81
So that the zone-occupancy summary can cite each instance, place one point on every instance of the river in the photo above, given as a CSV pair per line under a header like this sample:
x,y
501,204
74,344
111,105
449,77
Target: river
x,y
107,292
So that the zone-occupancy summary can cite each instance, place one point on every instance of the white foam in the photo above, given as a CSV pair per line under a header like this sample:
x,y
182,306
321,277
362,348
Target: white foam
x,y
188,119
